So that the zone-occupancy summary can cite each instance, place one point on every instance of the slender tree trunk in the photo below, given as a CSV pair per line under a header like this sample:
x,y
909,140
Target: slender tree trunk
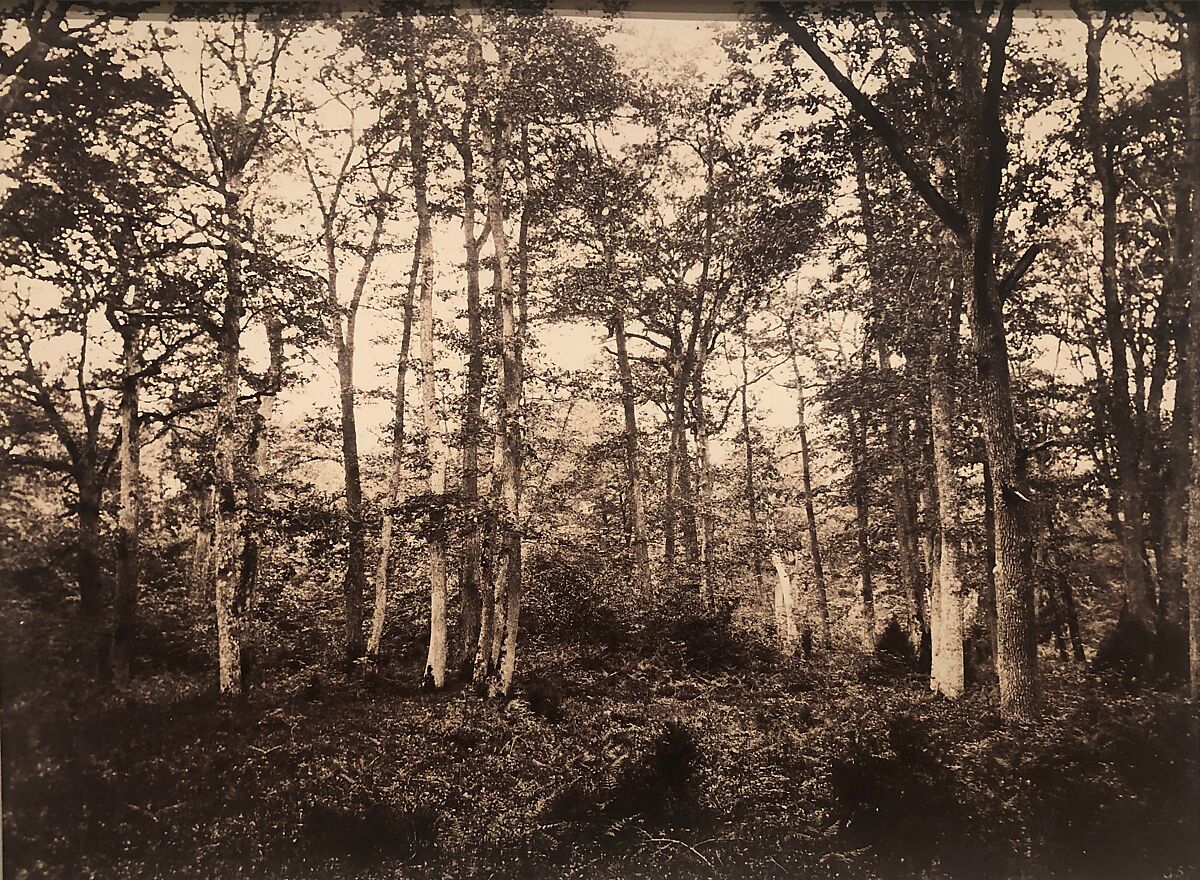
x,y
354,586
239,495
988,600
1057,619
435,664
639,540
1070,610
129,515
705,525
354,583
946,675
1192,582
785,607
91,594
678,369
396,474
751,492
814,544
472,575
257,451
507,592
911,579
200,578
906,542
687,502
1173,602
858,479
1139,589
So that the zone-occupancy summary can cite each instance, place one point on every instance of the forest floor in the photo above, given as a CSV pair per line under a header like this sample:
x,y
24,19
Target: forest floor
x,y
668,755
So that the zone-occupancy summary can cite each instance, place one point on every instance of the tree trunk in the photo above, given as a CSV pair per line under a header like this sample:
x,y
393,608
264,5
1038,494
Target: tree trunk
x,y
982,155
257,451
903,507
639,540
507,589
946,674
435,664
1173,602
200,576
472,574
687,502
354,583
677,369
128,517
232,532
785,607
984,151
1192,73
814,544
862,514
1070,610
704,515
751,492
1139,589
988,599
905,516
91,596
396,475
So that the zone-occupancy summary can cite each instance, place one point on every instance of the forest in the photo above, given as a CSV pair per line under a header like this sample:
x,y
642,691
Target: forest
x,y
514,440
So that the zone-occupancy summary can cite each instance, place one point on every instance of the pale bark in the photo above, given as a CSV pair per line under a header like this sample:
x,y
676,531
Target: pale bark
x,y
129,514
435,664
472,574
396,472
507,574
946,673
239,495
814,544
786,629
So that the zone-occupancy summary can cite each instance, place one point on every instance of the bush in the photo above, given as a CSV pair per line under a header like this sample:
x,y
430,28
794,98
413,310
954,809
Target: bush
x,y
893,642
1127,649
702,640
567,598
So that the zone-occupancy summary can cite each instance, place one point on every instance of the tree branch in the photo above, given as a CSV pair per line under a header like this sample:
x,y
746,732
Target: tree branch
x,y
955,220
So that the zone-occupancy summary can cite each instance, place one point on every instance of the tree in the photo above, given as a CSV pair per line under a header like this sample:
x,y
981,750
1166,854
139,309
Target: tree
x,y
232,142
361,187
981,159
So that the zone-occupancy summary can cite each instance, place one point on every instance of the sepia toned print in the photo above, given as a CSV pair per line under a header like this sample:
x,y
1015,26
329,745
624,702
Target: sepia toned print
x,y
747,440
